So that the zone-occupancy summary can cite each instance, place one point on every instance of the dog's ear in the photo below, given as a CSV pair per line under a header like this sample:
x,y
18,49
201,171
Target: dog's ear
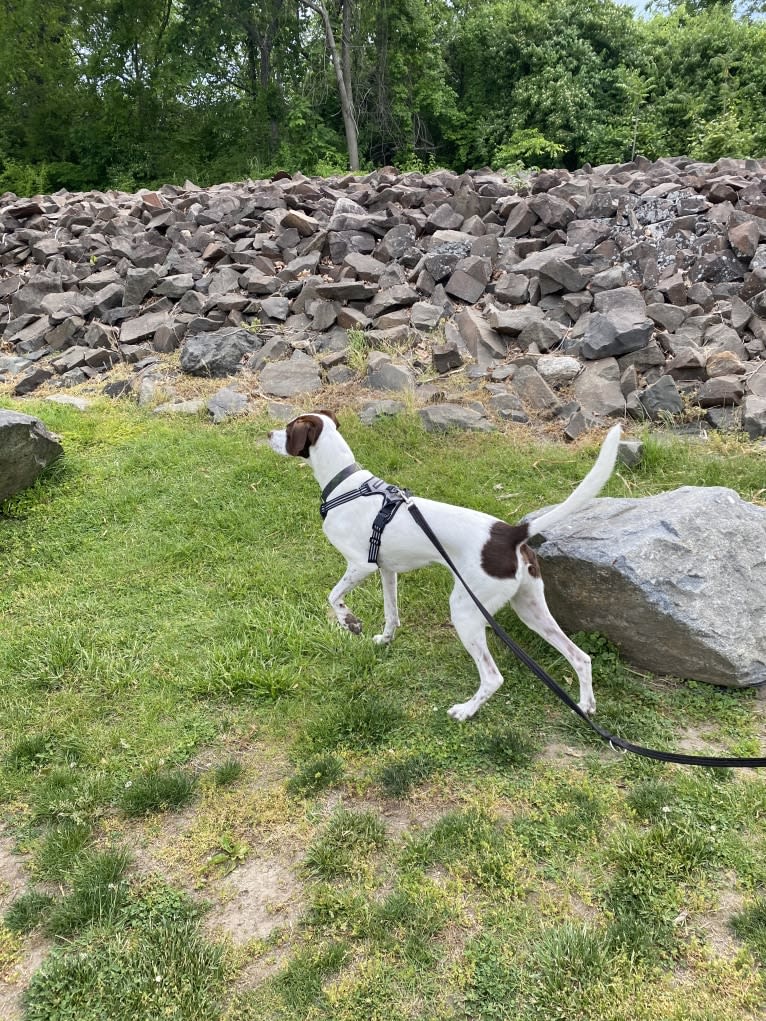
x,y
331,416
302,432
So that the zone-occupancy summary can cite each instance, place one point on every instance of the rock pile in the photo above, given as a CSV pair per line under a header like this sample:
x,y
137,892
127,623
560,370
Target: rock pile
x,y
636,289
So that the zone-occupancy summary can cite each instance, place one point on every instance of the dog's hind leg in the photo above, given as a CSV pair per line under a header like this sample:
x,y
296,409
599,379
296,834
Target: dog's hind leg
x,y
530,605
355,575
390,607
471,628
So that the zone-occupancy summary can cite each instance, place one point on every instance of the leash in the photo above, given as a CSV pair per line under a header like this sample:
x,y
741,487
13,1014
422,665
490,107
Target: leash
x,y
611,739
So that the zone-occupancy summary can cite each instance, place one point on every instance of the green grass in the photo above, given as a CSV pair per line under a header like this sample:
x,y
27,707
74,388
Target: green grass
x,y
163,594
157,792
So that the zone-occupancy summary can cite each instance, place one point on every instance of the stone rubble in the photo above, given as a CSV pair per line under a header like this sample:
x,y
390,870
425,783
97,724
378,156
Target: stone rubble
x,y
636,289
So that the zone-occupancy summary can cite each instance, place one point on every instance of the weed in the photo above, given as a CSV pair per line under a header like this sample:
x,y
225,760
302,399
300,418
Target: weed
x,y
345,846
507,748
147,970
227,773
750,926
28,910
300,984
399,777
363,720
98,893
157,792
315,775
59,850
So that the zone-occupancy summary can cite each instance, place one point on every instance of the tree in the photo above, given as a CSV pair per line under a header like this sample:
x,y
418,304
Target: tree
x,y
341,61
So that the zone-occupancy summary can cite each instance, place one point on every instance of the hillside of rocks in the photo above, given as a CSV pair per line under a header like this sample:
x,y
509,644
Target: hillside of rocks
x,y
636,289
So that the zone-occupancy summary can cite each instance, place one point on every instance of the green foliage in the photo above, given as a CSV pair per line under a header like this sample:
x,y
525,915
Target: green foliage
x,y
121,96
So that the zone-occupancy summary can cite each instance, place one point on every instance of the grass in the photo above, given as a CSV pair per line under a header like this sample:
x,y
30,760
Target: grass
x,y
162,601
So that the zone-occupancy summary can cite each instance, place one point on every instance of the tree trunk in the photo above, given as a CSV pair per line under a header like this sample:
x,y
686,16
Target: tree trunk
x,y
342,77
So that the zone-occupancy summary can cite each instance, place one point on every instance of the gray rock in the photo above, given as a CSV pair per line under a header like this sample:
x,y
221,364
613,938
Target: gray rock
x,y
300,375
382,374
226,403
81,403
598,389
661,398
192,407
630,452
754,416
614,334
722,391
142,327
426,316
446,357
676,598
515,320
480,340
218,353
533,391
26,449
32,380
558,370
442,417
373,410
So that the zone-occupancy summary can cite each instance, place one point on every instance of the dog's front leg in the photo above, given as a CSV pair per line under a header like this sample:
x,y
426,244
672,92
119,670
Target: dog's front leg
x,y
390,607
355,574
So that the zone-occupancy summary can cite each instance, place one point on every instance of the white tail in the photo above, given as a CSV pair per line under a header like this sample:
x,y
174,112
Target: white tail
x,y
589,488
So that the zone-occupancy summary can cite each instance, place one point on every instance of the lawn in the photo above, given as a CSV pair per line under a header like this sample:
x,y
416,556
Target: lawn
x,y
217,804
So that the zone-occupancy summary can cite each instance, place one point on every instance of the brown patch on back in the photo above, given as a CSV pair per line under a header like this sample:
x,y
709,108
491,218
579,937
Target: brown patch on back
x,y
500,553
302,433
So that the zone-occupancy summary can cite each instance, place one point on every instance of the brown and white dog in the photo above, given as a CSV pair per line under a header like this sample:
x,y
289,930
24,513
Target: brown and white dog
x,y
492,555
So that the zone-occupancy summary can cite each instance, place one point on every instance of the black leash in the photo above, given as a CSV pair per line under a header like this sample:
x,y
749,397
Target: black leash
x,y
564,696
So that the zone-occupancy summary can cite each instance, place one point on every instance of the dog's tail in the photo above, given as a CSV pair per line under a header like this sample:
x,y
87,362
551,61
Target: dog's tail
x,y
589,488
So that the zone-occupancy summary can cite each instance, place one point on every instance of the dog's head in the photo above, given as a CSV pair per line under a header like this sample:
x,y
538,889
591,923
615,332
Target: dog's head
x,y
300,435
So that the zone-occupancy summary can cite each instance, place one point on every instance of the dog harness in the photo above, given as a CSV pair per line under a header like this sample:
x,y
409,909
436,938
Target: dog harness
x,y
393,498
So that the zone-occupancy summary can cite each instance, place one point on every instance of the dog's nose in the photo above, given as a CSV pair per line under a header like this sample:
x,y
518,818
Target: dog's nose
x,y
271,435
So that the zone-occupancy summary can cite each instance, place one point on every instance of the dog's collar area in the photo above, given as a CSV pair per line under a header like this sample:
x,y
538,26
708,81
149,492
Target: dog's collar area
x,y
336,480
393,498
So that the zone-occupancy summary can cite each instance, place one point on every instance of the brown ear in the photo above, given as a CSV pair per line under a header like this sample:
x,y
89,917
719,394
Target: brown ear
x,y
331,416
302,433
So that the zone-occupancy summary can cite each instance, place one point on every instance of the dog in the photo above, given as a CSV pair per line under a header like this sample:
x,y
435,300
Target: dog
x,y
492,555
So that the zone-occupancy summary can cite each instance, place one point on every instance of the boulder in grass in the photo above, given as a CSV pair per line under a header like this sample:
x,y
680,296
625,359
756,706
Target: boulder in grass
x,y
26,449
677,581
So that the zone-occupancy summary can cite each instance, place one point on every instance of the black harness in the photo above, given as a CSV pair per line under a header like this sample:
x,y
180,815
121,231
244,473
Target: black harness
x,y
393,498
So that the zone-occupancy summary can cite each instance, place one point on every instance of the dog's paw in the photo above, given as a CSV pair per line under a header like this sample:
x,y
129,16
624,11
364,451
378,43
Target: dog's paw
x,y
352,624
462,711
383,639
587,706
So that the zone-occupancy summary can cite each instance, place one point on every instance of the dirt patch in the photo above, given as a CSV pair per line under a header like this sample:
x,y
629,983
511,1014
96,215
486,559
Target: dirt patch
x,y
715,924
258,897
13,876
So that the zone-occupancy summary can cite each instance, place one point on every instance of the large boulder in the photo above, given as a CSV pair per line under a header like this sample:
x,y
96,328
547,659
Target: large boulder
x,y
26,448
677,581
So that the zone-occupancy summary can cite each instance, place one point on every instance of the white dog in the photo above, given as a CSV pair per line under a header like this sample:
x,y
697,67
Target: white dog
x,y
491,555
